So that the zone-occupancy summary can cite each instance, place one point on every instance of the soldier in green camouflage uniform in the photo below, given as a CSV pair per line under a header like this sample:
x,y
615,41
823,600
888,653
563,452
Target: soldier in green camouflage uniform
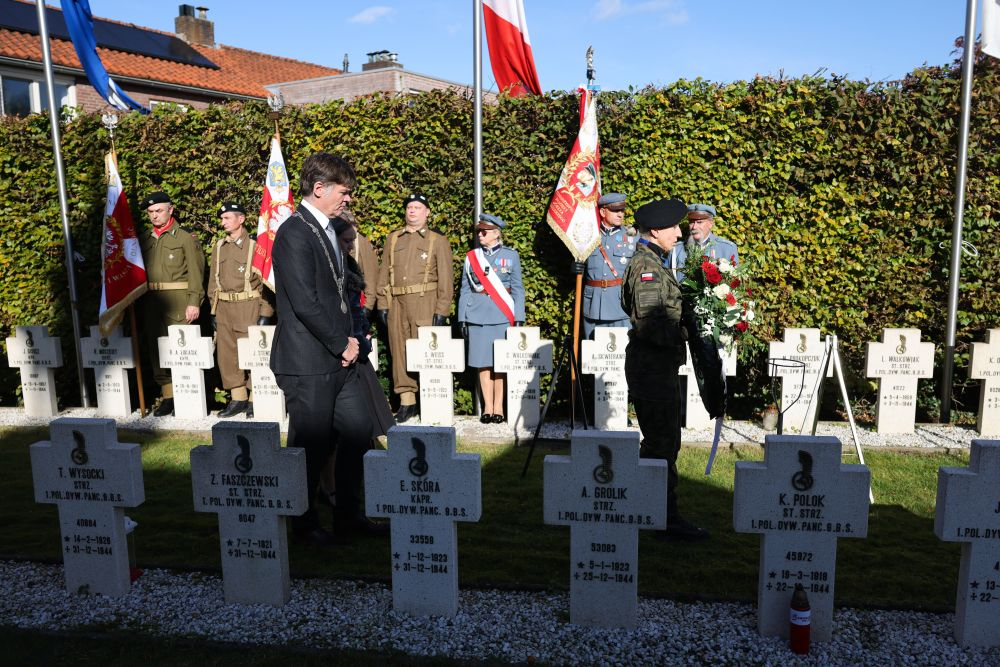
x,y
175,273
655,352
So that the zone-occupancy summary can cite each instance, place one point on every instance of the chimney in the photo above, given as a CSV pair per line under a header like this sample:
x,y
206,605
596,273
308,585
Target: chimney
x,y
380,60
195,29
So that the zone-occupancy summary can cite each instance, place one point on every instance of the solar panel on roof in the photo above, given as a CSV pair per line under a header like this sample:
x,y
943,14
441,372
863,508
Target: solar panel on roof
x,y
130,39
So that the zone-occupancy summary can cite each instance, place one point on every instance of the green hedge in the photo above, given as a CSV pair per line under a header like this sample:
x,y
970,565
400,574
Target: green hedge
x,y
840,192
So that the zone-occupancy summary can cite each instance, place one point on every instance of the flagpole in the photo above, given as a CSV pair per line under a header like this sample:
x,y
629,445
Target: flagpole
x,y
43,32
477,132
968,62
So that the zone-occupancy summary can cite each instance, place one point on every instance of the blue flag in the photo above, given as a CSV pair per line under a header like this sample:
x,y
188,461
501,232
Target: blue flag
x,y
80,23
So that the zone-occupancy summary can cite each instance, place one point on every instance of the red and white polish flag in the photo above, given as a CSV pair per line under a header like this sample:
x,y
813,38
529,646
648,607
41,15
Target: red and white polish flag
x,y
572,213
275,207
510,47
123,273
991,27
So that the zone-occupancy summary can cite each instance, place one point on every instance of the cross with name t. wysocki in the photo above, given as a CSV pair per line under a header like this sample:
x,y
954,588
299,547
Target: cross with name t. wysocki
x,y
110,356
604,358
252,482
805,346
436,355
254,354
968,511
605,494
523,356
90,477
423,487
696,416
898,362
37,355
984,364
801,499
187,353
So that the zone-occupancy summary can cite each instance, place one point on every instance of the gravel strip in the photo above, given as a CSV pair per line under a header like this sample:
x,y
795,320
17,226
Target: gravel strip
x,y
507,626
734,433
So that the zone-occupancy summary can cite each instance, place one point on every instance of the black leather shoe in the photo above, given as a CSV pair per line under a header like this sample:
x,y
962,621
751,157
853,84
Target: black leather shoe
x,y
250,410
486,418
318,537
234,408
678,528
405,413
165,409
498,419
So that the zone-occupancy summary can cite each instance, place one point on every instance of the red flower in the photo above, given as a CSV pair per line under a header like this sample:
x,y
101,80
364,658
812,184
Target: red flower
x,y
712,274
741,326
735,283
730,299
749,292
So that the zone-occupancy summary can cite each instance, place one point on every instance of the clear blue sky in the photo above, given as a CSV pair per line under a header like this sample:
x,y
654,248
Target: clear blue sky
x,y
636,42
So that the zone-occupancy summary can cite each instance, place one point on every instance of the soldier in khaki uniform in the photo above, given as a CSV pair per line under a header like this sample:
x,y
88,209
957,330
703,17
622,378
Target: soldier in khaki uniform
x,y
652,298
234,291
175,272
415,288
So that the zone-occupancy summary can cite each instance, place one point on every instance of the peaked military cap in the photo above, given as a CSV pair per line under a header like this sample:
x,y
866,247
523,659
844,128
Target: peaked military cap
x,y
416,197
487,220
156,198
698,211
613,200
231,207
660,214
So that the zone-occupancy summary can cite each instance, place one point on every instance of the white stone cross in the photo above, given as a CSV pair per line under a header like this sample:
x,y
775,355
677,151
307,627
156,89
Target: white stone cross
x,y
110,356
898,361
801,499
254,354
37,356
187,353
523,356
605,494
423,487
968,511
252,482
984,364
697,415
604,358
436,355
799,345
90,477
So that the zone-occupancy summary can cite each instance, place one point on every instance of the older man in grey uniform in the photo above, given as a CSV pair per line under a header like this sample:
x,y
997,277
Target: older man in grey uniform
x,y
701,220
603,271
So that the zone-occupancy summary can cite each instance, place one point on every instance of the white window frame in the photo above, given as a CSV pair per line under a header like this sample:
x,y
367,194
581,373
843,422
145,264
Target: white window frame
x,y
36,89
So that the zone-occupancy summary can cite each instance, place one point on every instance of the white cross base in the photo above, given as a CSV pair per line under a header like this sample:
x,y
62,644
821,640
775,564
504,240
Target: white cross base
x,y
697,415
799,345
187,353
110,356
254,353
984,364
604,358
436,355
523,356
898,361
37,355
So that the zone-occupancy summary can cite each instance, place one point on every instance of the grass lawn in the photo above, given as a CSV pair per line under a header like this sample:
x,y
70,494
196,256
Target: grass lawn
x,y
901,564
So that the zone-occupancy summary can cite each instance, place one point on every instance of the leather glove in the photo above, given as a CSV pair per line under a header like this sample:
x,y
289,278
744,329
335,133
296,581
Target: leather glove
x,y
518,323
579,268
464,329
264,320
438,320
215,324
383,317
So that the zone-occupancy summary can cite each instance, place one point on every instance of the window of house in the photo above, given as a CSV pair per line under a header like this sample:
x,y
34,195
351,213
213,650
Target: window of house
x,y
24,93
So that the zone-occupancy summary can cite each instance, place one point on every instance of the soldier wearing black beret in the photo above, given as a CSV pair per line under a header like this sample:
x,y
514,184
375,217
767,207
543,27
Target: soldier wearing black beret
x,y
175,273
652,298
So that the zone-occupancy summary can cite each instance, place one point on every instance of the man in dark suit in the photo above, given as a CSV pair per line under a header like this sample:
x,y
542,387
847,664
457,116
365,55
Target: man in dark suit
x,y
313,355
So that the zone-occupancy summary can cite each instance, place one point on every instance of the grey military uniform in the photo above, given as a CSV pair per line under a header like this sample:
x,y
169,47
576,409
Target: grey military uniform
x,y
714,246
602,280
477,309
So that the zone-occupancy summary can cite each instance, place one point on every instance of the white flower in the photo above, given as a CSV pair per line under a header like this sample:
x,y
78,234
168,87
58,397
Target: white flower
x,y
708,291
721,290
749,315
725,265
726,339
706,329
700,310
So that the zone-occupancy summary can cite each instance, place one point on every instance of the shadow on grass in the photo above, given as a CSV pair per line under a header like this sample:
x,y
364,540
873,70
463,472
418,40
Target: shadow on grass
x,y
900,565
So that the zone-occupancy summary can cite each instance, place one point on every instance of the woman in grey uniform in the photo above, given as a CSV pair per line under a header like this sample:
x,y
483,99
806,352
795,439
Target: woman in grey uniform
x,y
490,300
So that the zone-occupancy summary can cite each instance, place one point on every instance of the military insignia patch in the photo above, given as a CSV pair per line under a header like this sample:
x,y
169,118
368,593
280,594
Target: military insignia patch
x,y
647,277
